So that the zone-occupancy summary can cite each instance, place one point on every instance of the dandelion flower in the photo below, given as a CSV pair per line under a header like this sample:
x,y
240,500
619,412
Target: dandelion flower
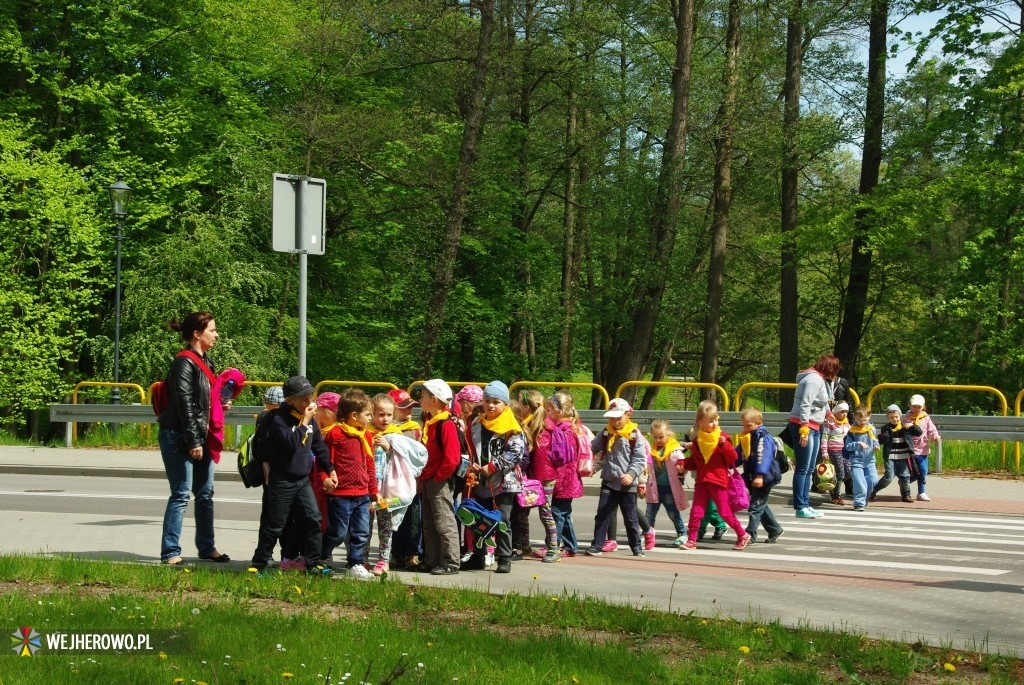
x,y
536,577
554,599
187,570
195,611
178,680
163,655
297,589
287,676
745,649
575,679
949,667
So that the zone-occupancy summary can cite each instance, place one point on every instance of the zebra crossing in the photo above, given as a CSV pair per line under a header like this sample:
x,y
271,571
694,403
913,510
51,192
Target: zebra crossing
x,y
923,542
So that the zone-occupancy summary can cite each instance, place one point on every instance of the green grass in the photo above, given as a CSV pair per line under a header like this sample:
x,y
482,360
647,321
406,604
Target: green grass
x,y
238,629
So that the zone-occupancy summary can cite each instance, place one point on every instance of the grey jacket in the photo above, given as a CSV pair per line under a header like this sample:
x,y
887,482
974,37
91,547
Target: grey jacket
x,y
811,398
621,459
506,452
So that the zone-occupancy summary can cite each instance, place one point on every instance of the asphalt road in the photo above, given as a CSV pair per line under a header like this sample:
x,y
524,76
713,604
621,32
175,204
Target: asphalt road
x,y
941,577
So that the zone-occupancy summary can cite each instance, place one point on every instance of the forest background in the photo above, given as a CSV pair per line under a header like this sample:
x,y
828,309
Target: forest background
x,y
611,189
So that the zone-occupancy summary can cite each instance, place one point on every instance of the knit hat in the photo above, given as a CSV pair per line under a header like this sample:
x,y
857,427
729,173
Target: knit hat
x,y
895,408
497,390
297,386
439,389
274,395
328,400
618,407
842,406
916,401
402,399
473,394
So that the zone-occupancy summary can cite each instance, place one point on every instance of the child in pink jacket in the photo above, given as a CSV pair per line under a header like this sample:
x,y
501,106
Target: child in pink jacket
x,y
664,486
922,443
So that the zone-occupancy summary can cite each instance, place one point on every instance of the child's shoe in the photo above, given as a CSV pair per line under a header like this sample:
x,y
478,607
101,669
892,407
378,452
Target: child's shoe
x,y
719,532
358,572
639,552
775,538
806,513
679,541
293,565
650,538
742,542
413,562
689,544
594,552
540,552
551,556
610,546
489,560
908,499
923,497
569,553
839,500
859,507
381,568
323,570
504,565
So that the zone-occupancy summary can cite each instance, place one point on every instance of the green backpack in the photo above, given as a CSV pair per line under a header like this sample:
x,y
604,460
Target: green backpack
x,y
251,457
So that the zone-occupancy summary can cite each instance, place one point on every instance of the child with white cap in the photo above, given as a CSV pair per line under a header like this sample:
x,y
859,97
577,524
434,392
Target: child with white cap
x,y
625,459
922,443
897,452
440,530
833,437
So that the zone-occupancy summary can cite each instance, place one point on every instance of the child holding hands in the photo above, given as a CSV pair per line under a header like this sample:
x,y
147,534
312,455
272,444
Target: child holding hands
x,y
921,443
760,471
860,447
667,488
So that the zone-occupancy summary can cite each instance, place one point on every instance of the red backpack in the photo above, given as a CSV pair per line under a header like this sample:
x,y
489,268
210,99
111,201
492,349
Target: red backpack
x,y
159,396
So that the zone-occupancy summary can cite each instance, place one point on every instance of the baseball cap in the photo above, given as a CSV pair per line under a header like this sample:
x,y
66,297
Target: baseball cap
x,y
497,390
916,400
328,400
274,395
470,393
895,408
297,386
618,407
438,388
402,399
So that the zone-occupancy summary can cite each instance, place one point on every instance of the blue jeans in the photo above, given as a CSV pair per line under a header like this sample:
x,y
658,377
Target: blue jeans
x,y
900,469
806,457
922,472
561,509
666,498
760,513
348,521
865,477
185,474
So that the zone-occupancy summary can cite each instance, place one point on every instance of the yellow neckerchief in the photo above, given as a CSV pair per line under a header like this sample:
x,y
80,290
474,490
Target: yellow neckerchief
x,y
708,442
392,428
841,423
623,433
441,416
921,415
409,425
353,431
300,416
743,442
503,424
866,428
897,428
671,445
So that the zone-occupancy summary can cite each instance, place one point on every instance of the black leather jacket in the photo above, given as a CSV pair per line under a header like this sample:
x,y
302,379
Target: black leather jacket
x,y
188,400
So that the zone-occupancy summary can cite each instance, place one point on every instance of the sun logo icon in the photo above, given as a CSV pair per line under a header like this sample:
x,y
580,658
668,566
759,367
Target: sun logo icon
x,y
26,641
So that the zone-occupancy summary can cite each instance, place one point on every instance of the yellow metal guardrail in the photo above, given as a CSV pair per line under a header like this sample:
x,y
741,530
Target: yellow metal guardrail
x,y
451,384
356,384
943,386
101,384
747,386
556,384
1016,412
677,384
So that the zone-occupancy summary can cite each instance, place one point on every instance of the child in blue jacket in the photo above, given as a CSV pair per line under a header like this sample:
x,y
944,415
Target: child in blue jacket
x,y
756,447
860,446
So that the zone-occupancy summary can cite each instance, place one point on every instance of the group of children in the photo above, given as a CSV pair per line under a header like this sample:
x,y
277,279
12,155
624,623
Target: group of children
x,y
335,462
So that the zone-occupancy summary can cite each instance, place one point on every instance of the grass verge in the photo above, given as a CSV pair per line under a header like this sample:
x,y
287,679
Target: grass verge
x,y
293,629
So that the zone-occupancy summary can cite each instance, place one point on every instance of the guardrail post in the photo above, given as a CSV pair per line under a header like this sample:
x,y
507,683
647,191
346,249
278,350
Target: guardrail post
x,y
938,456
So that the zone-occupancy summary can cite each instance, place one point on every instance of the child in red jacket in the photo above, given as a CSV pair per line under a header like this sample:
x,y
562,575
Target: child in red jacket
x,y
348,504
711,456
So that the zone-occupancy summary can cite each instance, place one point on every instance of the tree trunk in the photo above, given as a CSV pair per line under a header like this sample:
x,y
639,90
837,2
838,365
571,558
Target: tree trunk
x,y
569,214
789,353
855,305
723,202
445,271
633,352
660,371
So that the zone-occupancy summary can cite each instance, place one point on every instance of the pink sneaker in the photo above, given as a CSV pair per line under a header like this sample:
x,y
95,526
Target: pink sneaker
x,y
610,546
650,537
381,567
689,544
742,542
293,565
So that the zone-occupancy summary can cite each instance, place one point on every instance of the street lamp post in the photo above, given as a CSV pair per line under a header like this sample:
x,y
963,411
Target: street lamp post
x,y
120,194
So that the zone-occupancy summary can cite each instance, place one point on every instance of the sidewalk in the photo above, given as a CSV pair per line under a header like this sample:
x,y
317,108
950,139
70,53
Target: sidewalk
x,y
948,493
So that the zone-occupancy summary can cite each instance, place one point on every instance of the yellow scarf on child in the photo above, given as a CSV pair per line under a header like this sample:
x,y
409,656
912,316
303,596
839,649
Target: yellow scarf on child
x,y
409,425
921,415
441,416
353,431
708,442
392,428
671,445
866,428
623,433
505,423
743,442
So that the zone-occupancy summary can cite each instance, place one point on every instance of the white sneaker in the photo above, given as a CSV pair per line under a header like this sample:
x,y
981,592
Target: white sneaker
x,y
359,572
923,497
489,560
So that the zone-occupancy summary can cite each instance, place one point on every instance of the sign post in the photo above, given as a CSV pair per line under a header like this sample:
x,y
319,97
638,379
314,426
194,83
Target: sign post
x,y
299,224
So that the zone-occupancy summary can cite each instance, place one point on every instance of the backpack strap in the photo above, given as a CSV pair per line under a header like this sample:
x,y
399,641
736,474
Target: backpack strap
x,y
199,362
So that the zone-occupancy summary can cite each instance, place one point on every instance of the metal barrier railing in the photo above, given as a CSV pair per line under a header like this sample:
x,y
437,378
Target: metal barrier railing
x,y
71,436
555,384
452,384
677,384
747,386
355,384
944,386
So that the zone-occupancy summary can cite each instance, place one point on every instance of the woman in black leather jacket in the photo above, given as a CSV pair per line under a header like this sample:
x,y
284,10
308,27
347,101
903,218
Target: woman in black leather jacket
x,y
184,425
